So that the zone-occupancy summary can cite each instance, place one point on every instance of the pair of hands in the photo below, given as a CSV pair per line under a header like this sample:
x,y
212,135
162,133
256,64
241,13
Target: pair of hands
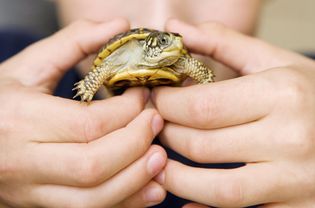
x,y
60,153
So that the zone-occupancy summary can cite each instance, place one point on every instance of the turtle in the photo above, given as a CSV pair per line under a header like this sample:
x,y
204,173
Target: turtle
x,y
142,57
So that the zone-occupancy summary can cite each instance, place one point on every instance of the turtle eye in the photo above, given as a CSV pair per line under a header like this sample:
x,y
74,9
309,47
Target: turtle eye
x,y
164,40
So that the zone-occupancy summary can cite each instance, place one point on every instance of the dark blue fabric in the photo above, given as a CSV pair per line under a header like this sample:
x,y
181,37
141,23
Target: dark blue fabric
x,y
11,42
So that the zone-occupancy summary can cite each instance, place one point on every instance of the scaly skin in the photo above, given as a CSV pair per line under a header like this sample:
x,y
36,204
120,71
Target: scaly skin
x,y
195,69
87,87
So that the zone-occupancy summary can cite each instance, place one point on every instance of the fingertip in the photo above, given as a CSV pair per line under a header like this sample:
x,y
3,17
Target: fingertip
x,y
139,92
160,178
160,149
157,124
153,194
157,160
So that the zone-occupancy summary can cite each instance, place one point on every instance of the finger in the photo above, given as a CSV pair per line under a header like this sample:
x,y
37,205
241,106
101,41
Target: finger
x,y
226,145
218,104
96,161
243,53
194,205
228,188
152,194
45,62
66,120
121,186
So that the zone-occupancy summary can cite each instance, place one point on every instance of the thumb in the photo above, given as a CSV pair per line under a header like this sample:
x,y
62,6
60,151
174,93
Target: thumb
x,y
242,53
45,62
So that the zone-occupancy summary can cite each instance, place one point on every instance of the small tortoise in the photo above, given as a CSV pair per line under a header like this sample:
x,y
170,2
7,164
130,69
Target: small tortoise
x,y
142,57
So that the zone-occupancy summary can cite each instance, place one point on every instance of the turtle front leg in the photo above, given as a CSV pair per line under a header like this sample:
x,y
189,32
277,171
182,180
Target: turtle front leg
x,y
87,87
195,69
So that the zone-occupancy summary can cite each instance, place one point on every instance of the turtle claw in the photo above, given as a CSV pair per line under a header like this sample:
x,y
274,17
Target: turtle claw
x,y
85,97
76,95
85,94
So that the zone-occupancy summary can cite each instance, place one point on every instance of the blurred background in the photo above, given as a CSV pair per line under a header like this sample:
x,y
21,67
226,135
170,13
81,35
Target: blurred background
x,y
286,23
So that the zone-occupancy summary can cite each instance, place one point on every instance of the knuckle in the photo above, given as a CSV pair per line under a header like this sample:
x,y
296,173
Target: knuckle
x,y
300,141
293,88
196,149
92,126
82,125
87,126
202,113
74,36
230,193
89,171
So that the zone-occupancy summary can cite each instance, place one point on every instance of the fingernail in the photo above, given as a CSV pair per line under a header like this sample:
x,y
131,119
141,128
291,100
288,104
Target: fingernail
x,y
156,124
146,95
155,163
160,178
152,195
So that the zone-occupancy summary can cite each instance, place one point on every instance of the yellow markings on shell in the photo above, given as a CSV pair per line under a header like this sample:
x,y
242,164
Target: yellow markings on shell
x,y
97,61
136,74
112,47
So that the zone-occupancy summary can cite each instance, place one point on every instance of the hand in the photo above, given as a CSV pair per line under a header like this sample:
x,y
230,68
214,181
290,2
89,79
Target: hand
x,y
265,119
56,152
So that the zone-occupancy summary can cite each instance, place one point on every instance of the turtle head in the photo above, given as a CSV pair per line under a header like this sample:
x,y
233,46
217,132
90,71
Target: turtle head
x,y
162,48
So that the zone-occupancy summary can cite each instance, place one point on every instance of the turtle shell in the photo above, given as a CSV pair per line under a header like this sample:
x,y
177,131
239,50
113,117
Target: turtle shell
x,y
136,76
119,40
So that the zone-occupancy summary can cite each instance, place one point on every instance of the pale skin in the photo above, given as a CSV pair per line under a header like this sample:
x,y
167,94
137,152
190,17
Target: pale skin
x,y
59,153
56,152
265,118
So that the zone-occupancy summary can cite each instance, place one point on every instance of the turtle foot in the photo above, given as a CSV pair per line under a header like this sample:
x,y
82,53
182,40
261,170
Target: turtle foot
x,y
85,94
